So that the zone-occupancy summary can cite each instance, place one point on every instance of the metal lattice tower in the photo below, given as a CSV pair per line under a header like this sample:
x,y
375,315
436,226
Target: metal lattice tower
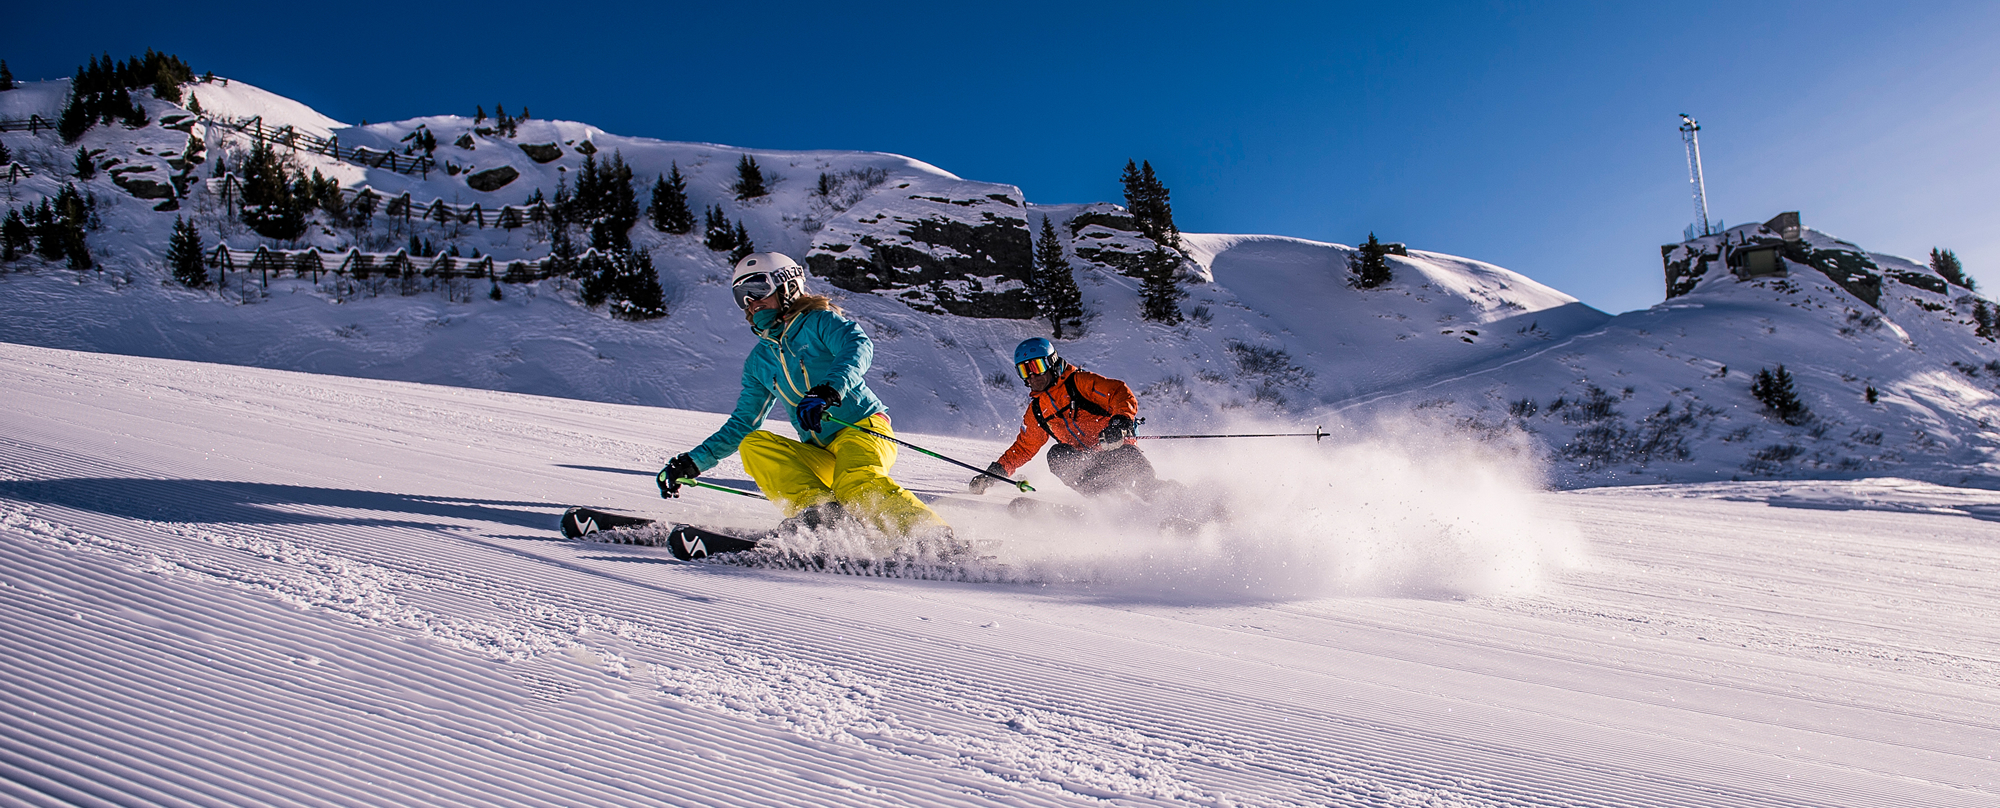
x,y
1691,135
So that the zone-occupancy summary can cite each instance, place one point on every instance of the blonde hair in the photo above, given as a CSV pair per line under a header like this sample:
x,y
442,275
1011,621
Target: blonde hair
x,y
806,303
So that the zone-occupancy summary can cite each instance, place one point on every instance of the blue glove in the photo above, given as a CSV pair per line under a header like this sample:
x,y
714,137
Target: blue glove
x,y
677,469
815,404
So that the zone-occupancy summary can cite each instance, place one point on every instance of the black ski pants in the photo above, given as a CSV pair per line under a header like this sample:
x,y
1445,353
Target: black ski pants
x,y
1098,473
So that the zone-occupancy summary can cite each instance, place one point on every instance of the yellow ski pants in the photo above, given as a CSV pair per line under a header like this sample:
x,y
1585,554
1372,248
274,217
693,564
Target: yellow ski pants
x,y
853,469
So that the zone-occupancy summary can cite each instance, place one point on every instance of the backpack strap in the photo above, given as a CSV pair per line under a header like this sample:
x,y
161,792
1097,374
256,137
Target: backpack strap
x,y
1076,402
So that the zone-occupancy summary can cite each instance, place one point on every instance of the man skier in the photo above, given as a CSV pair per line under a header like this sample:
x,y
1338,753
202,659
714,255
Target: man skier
x,y
810,356
1092,419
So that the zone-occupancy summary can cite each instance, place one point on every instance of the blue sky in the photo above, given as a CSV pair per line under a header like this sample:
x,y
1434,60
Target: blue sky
x,y
1541,137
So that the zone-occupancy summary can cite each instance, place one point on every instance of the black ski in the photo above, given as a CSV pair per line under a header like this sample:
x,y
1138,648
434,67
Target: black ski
x,y
686,542
580,522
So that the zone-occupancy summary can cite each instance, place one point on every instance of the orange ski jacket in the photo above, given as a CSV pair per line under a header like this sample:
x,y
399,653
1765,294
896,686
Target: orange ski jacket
x,y
1073,410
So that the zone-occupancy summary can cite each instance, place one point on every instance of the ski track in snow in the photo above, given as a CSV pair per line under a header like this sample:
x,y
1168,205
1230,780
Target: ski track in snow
x,y
236,586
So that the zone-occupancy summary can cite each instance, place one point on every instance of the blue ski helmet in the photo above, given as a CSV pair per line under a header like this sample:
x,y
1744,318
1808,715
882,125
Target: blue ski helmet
x,y
1036,356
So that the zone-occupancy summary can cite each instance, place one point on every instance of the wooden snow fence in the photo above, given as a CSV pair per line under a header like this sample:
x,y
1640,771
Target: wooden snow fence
x,y
291,138
229,188
33,124
311,262
437,210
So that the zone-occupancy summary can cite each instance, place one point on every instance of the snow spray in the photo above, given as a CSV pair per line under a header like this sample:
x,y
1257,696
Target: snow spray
x,y
1400,509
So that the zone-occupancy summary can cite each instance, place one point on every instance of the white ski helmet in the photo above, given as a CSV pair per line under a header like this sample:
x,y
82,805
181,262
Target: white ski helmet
x,y
760,274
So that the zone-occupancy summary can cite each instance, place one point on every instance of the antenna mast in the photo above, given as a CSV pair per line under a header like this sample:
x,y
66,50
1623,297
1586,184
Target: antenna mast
x,y
1691,135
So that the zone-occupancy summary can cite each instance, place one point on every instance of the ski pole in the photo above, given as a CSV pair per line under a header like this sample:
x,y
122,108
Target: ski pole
x,y
1316,434
1020,484
694,482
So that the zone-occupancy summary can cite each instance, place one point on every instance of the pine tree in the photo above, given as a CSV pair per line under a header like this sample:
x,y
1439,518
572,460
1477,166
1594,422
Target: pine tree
x,y
78,113
1148,201
86,168
1053,284
743,246
1946,265
597,275
562,251
479,115
16,239
194,104
6,77
184,255
1160,292
5,155
1160,209
273,205
1774,390
749,179
1369,265
66,223
131,112
637,290
1982,320
669,210
619,205
716,232
44,226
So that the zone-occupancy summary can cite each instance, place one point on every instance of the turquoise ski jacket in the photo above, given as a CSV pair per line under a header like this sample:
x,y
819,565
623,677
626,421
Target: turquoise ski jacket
x,y
812,348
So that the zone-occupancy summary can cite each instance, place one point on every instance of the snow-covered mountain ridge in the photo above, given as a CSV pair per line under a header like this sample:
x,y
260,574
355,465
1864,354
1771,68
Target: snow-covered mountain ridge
x,y
934,266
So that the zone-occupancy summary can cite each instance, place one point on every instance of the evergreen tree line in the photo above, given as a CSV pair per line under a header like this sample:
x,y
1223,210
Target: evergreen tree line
x,y
502,122
102,91
164,73
53,229
603,202
605,206
277,197
112,106
1945,264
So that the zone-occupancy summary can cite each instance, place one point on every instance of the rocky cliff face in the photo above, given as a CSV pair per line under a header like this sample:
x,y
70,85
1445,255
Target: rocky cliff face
x,y
941,246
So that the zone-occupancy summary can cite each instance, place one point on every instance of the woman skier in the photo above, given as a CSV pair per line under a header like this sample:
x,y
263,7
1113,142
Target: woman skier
x,y
810,356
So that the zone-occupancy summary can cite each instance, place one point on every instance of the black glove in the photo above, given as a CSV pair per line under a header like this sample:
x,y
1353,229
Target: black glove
x,y
815,404
982,482
1117,431
676,469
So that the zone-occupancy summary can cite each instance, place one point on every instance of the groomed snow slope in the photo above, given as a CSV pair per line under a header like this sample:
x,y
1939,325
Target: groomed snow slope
x,y
225,585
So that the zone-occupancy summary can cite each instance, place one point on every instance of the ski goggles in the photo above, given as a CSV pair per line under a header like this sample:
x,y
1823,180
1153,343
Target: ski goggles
x,y
752,288
757,286
1034,367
